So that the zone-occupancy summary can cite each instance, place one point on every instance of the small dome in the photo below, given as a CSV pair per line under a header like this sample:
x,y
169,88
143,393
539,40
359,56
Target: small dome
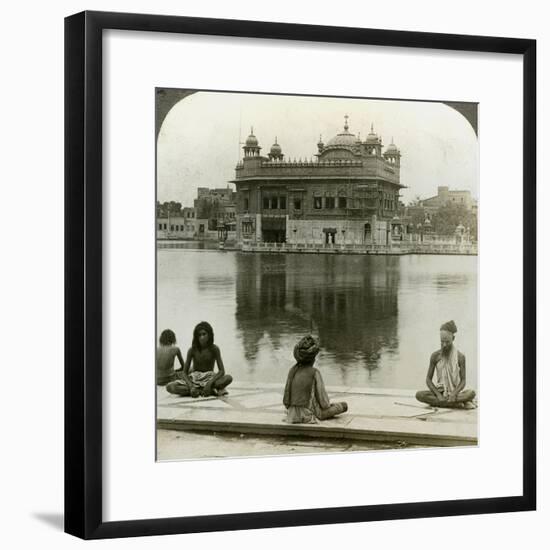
x,y
320,145
252,141
276,148
372,137
392,148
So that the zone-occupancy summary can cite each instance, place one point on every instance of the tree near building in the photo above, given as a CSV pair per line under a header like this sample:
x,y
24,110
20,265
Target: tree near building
x,y
447,217
207,208
417,215
171,208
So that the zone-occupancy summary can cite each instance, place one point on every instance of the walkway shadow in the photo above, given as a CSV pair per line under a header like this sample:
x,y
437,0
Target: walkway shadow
x,y
53,519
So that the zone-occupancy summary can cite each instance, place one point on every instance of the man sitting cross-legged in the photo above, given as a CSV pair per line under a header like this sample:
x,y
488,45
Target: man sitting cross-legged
x,y
449,365
203,355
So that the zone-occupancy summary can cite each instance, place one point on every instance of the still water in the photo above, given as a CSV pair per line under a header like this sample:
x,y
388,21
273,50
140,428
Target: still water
x,y
377,317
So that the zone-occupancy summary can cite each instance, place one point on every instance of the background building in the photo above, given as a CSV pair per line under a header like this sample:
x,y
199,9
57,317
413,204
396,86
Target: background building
x,y
215,208
212,217
445,196
444,215
176,227
348,194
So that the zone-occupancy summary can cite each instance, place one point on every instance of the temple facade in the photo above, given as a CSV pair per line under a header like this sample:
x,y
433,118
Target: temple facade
x,y
347,194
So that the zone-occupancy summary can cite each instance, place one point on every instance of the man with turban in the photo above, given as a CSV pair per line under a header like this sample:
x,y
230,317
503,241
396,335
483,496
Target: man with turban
x,y
449,365
305,396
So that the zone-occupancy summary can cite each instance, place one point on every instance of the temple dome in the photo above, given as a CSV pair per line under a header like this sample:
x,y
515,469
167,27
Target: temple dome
x,y
276,148
252,141
343,139
372,137
392,148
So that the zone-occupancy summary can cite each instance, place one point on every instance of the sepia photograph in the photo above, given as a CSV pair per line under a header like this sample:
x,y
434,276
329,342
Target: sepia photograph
x,y
308,300
316,274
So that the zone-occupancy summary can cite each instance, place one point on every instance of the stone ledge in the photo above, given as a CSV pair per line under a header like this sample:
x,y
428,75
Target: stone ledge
x,y
382,415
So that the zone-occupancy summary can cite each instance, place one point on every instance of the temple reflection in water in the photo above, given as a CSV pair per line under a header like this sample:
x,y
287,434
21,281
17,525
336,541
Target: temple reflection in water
x,y
349,303
377,317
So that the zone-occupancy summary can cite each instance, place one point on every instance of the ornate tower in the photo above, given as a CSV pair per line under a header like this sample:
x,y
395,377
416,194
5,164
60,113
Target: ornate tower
x,y
373,143
276,153
392,154
251,146
320,145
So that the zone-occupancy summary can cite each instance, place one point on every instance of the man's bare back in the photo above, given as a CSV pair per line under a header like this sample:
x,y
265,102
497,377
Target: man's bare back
x,y
165,363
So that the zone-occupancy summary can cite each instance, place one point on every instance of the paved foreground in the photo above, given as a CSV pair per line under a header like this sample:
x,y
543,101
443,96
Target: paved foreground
x,y
392,417
180,444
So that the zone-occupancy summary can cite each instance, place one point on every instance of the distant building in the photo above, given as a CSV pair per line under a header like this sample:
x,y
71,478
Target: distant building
x,y
445,196
179,226
173,227
348,194
224,194
188,212
215,208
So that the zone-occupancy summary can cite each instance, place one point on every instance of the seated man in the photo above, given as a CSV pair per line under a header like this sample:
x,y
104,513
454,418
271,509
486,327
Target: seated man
x,y
202,356
167,351
450,366
305,397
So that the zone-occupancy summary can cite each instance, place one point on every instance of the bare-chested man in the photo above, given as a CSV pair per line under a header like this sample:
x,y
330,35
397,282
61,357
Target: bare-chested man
x,y
167,351
202,355
449,365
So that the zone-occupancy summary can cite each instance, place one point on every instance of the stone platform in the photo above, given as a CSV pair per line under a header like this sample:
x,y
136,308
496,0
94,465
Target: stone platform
x,y
386,415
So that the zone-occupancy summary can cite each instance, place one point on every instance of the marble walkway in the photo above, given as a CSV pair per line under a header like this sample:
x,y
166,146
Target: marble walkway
x,y
374,415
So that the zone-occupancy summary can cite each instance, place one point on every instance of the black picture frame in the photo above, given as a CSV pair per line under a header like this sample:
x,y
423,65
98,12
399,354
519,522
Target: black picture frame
x,y
83,273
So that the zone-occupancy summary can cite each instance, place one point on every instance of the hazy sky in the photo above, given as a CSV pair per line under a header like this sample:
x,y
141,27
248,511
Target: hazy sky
x,y
198,144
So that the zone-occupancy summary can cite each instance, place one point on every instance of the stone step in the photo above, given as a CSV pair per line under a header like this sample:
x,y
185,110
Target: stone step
x,y
387,415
